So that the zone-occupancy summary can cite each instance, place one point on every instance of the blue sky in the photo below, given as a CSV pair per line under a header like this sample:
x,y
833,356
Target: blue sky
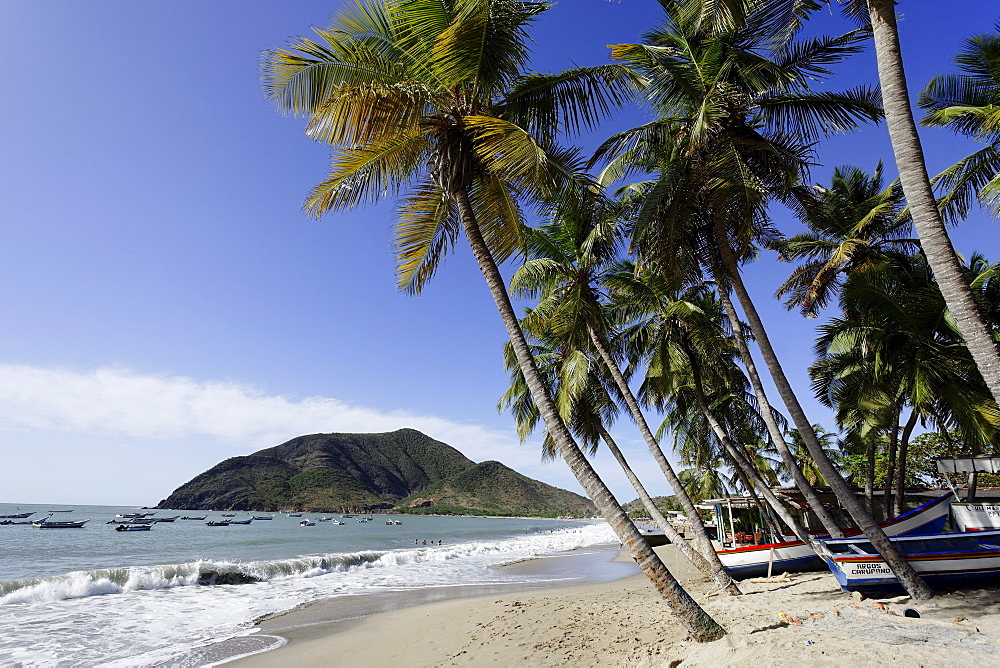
x,y
166,304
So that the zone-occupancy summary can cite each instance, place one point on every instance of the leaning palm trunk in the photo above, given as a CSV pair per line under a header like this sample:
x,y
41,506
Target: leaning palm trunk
x,y
927,221
662,522
698,623
908,578
804,486
870,474
890,472
697,526
904,445
740,460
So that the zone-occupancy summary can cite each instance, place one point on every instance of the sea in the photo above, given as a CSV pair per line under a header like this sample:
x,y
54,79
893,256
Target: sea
x,y
94,596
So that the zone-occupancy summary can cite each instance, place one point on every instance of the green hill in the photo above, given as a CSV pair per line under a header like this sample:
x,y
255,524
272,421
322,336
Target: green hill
x,y
341,472
490,488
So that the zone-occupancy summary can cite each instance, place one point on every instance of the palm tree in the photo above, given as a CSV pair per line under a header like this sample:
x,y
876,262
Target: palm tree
x,y
564,266
967,103
428,97
734,132
851,223
916,184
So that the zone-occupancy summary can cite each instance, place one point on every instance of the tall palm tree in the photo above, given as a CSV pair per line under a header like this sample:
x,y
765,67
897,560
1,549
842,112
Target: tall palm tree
x,y
429,97
564,266
737,116
916,184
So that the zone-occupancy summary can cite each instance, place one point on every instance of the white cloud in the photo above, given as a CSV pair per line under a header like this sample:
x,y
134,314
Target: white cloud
x,y
116,402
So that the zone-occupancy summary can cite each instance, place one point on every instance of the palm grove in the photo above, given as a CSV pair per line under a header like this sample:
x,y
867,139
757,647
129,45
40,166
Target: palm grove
x,y
633,257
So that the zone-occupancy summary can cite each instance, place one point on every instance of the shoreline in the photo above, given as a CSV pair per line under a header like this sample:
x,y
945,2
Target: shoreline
x,y
329,616
624,622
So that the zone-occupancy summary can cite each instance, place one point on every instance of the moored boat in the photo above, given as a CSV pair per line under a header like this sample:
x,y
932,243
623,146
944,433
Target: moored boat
x,y
16,516
941,559
213,523
795,556
133,527
306,523
262,517
241,521
46,523
194,518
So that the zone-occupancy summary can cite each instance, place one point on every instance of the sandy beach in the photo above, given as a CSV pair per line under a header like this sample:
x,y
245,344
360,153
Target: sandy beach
x,y
806,619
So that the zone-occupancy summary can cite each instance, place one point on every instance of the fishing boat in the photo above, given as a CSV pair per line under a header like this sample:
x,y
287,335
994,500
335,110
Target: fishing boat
x,y
973,516
6,522
306,523
132,516
263,517
133,527
942,560
337,522
164,519
46,523
295,514
16,516
213,523
795,556
247,521
194,518
229,514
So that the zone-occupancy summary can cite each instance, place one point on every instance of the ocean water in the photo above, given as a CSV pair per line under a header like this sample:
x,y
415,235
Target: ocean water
x,y
96,596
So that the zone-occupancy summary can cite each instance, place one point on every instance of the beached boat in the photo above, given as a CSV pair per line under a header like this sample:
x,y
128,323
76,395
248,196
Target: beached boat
x,y
46,523
133,527
975,516
223,523
942,560
795,556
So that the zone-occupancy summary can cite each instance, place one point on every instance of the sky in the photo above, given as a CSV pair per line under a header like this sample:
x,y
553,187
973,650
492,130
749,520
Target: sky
x,y
166,304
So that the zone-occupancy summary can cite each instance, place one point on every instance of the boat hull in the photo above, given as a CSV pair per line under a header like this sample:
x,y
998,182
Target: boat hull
x,y
942,560
976,516
795,556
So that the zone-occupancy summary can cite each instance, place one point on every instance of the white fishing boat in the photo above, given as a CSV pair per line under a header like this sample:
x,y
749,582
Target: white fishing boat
x,y
306,523
795,556
942,560
972,516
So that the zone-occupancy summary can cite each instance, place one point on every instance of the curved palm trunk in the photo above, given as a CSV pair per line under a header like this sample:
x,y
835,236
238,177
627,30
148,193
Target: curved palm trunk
x,y
662,522
908,578
890,472
920,197
799,478
704,542
697,622
870,475
740,460
904,445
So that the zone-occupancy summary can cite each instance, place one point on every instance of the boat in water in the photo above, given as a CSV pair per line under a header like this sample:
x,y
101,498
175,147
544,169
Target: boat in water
x,y
943,560
194,518
46,523
306,523
133,527
795,556
16,516
262,517
248,521
213,523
